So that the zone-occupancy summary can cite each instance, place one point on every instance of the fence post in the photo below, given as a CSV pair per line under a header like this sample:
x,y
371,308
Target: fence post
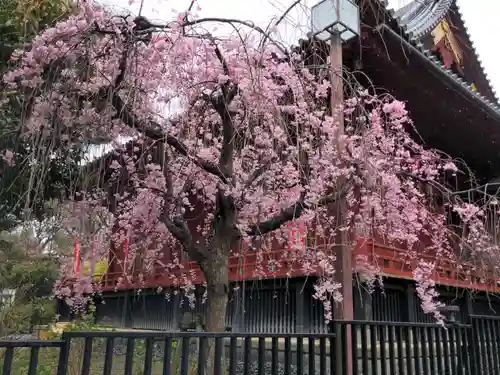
x,y
472,338
300,310
62,367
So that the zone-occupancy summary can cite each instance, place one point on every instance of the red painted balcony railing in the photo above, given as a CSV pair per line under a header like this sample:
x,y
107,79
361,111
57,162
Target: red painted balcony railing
x,y
391,261
397,263
252,265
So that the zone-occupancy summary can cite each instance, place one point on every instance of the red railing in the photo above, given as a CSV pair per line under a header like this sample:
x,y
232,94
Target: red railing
x,y
398,263
251,265
391,261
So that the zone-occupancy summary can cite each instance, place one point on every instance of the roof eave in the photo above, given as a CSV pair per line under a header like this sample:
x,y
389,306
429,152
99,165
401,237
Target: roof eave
x,y
416,43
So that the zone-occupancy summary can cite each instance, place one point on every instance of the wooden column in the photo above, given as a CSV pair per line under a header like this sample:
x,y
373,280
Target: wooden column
x,y
343,269
363,303
410,307
467,307
343,311
176,313
126,319
237,320
300,307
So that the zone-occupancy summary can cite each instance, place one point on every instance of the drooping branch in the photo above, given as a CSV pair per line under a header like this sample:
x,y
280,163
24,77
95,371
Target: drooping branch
x,y
199,21
122,65
180,230
283,16
223,61
178,226
152,130
293,212
256,174
450,196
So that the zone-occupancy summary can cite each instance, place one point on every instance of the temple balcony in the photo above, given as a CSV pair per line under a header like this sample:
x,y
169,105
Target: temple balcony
x,y
392,262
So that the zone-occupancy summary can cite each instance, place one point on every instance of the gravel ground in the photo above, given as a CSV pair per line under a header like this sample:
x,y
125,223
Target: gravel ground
x,y
267,368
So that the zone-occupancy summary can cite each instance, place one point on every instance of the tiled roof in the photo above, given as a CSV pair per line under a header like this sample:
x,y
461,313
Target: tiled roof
x,y
419,18
476,56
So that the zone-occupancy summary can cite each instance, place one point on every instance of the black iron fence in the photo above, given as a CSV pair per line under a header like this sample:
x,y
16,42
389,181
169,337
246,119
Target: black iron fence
x,y
357,347
12,347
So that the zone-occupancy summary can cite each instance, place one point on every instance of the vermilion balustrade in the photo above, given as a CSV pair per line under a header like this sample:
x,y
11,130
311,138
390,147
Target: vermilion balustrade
x,y
285,263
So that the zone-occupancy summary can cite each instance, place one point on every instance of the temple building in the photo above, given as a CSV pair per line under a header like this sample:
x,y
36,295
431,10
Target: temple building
x,y
421,54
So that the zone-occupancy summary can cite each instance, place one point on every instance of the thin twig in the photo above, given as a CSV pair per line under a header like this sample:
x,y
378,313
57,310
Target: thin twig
x,y
283,16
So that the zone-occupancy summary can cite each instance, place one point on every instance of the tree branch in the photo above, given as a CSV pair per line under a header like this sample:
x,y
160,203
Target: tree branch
x,y
226,154
292,212
180,230
153,131
283,16
450,196
122,67
221,105
248,24
218,53
256,174
178,226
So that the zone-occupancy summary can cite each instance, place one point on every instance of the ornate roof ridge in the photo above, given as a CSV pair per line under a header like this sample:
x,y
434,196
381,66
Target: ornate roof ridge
x,y
420,17
474,51
416,42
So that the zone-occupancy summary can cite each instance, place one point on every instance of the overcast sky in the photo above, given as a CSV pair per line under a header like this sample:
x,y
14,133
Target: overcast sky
x,y
480,17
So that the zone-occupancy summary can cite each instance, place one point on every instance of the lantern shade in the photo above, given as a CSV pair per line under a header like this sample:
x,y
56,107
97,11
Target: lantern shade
x,y
335,16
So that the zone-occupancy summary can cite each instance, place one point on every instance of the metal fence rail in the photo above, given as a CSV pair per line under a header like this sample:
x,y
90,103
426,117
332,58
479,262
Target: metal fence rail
x,y
485,347
33,346
356,347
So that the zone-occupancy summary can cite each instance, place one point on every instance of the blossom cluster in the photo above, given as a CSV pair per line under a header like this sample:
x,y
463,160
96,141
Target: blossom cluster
x,y
95,76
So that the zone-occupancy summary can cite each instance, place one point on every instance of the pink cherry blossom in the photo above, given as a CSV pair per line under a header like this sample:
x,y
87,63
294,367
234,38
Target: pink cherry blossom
x,y
232,141
8,158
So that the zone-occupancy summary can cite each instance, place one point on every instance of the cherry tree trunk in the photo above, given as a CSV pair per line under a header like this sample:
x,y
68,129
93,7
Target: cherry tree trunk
x,y
215,270
217,296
